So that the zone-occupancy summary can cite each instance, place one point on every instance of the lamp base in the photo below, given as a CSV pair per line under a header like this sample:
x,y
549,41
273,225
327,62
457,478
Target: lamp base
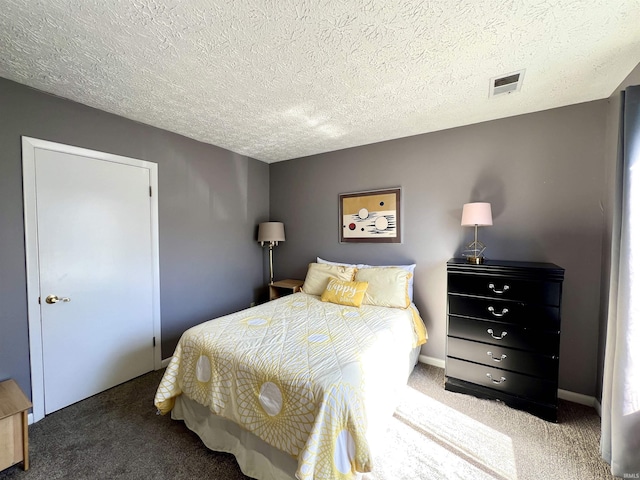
x,y
475,260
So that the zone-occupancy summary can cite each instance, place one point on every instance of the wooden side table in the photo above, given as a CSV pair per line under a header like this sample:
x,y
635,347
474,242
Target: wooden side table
x,y
284,287
14,433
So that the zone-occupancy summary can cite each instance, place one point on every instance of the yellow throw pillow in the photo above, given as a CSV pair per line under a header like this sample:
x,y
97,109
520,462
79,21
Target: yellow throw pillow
x,y
318,276
344,293
388,286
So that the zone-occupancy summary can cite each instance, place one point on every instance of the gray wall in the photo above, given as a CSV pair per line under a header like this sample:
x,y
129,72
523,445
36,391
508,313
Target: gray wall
x,y
610,158
210,201
543,174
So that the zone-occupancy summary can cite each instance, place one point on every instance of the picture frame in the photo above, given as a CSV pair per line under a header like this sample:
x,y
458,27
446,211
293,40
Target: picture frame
x,y
372,216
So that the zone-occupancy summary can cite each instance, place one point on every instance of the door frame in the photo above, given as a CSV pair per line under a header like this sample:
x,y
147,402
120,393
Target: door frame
x,y
29,146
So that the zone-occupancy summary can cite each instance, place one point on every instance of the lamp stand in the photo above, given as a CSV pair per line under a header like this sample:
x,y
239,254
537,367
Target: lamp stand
x,y
477,248
270,263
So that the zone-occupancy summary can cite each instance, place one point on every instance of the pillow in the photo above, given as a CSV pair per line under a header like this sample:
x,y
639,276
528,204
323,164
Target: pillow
x,y
327,262
408,268
318,276
344,293
388,286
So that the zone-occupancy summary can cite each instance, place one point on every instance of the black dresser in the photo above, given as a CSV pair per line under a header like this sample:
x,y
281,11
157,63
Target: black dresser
x,y
503,332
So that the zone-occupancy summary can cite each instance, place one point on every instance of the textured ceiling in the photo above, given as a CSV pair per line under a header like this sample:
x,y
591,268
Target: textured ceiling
x,y
280,79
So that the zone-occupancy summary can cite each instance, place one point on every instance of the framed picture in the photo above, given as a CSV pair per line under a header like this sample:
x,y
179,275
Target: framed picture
x,y
370,217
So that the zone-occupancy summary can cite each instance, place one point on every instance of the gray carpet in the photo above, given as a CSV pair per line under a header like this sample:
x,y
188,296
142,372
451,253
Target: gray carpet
x,y
500,441
434,435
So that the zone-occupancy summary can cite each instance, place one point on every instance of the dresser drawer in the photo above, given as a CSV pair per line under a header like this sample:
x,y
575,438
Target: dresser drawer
x,y
540,316
545,293
505,335
505,358
532,388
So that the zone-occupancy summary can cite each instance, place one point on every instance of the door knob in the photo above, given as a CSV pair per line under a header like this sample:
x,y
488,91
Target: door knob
x,y
56,299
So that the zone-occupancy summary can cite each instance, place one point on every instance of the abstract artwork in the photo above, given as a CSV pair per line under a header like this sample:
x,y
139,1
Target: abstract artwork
x,y
372,217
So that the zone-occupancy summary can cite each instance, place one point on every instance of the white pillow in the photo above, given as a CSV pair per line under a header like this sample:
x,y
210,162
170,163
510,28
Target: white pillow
x,y
327,262
408,268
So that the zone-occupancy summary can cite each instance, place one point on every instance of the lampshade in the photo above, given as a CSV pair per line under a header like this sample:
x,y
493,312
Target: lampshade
x,y
271,232
478,213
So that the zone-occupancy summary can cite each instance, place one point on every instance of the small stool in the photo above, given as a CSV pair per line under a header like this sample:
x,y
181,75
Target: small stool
x,y
14,432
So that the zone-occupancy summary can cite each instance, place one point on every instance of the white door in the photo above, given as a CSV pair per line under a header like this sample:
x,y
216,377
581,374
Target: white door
x,y
96,258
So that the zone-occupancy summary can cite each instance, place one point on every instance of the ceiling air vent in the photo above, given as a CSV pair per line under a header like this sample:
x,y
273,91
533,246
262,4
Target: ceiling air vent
x,y
504,84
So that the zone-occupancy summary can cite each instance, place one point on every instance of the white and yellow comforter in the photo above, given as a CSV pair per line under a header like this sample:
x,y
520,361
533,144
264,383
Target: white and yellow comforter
x,y
308,377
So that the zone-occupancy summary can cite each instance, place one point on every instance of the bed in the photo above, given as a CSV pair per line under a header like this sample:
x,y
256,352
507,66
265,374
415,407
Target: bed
x,y
302,386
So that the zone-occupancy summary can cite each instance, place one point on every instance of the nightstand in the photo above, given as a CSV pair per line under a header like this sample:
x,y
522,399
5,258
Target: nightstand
x,y
284,287
14,433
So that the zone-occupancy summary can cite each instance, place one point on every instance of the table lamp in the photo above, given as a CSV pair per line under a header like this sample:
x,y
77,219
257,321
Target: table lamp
x,y
476,215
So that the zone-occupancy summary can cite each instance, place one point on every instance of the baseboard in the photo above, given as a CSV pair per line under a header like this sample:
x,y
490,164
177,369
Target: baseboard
x,y
598,406
30,418
436,362
577,398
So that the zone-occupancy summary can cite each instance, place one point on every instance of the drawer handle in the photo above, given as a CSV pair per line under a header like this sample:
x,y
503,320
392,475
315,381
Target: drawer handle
x,y
497,382
496,314
502,357
492,287
502,335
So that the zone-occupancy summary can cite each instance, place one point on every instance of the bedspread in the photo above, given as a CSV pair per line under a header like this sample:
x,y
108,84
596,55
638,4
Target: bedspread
x,y
308,377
